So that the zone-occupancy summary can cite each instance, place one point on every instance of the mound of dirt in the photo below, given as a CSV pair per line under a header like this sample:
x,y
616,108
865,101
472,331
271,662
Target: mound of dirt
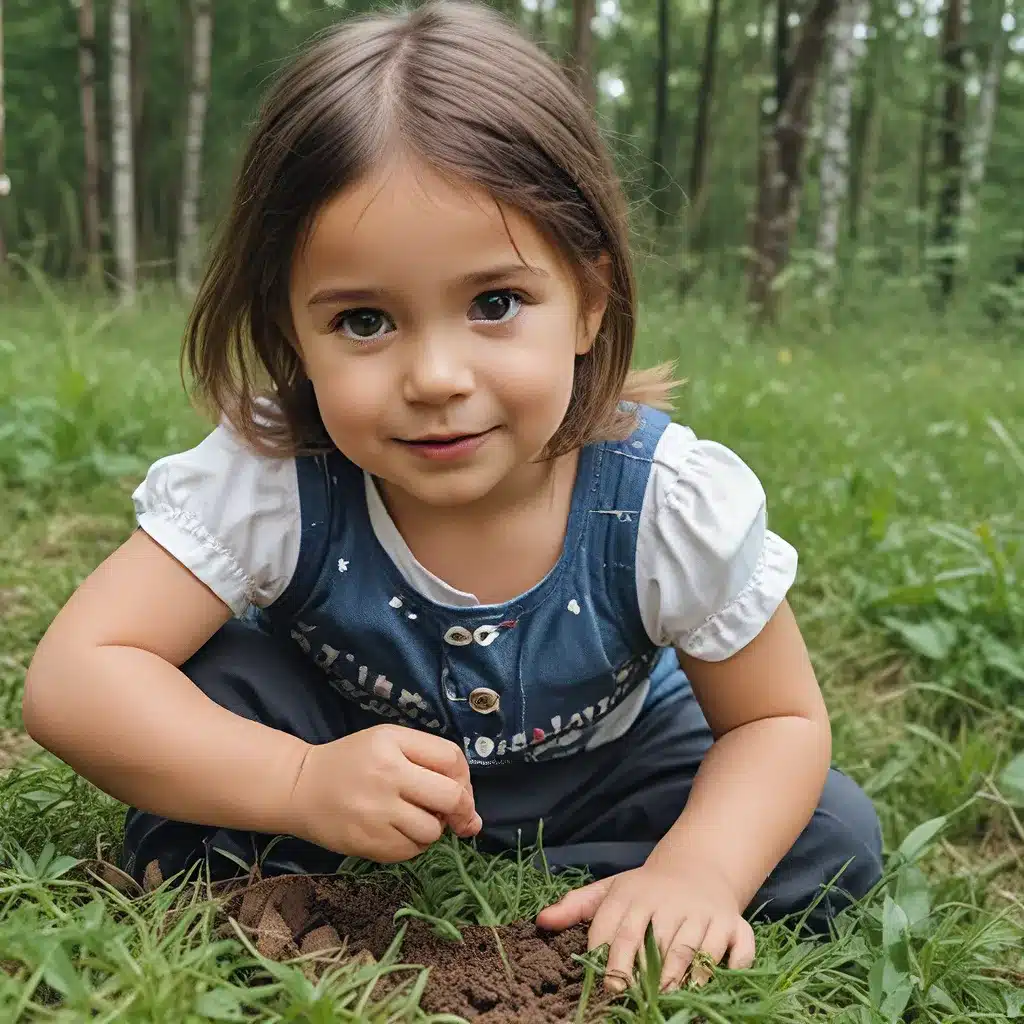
x,y
542,984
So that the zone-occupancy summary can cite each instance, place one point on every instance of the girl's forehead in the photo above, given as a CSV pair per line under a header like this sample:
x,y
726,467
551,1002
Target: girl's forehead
x,y
407,221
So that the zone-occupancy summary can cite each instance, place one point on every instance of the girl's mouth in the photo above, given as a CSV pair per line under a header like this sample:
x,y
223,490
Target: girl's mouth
x,y
454,446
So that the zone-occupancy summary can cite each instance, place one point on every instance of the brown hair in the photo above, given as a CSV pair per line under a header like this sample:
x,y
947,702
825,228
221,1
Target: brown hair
x,y
458,87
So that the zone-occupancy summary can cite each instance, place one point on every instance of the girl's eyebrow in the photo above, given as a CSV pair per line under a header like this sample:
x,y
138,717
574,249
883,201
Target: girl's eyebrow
x,y
477,278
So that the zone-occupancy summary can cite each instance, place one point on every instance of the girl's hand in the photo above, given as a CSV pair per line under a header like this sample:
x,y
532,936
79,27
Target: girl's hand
x,y
384,793
691,908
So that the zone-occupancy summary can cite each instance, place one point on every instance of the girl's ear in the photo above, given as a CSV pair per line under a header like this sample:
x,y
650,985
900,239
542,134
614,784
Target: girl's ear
x,y
597,288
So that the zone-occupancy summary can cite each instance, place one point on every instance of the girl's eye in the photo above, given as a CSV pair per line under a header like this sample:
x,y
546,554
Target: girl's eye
x,y
496,307
363,324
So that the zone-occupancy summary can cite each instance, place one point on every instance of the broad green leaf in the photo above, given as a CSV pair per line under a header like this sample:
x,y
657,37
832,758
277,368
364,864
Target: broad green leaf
x,y
61,866
912,895
889,989
1011,781
937,996
44,858
933,639
894,923
1004,659
1014,1003
896,999
921,837
60,973
889,773
219,1004
876,977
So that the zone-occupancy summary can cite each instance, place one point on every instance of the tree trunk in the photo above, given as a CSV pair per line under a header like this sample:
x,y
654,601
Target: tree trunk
x,y
782,69
188,220
767,112
863,141
122,179
658,172
583,48
145,191
976,156
701,141
924,166
835,146
952,147
781,159
90,134
5,182
538,23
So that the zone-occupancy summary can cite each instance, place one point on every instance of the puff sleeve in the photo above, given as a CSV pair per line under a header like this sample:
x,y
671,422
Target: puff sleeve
x,y
228,514
710,574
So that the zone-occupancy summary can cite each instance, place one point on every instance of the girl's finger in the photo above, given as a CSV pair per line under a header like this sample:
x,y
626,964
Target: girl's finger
x,y
605,919
576,906
684,944
417,825
442,796
742,947
716,942
626,943
665,927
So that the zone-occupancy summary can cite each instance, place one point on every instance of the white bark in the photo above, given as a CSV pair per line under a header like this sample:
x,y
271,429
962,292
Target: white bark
x,y
90,136
835,139
5,184
123,178
980,136
188,219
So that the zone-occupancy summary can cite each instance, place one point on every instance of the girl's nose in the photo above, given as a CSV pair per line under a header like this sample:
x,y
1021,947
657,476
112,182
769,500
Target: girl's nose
x,y
437,371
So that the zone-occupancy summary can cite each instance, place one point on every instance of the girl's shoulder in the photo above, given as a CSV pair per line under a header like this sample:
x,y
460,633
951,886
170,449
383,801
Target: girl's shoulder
x,y
709,571
229,514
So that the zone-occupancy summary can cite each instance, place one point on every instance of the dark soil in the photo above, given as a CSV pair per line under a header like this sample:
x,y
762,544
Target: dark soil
x,y
296,914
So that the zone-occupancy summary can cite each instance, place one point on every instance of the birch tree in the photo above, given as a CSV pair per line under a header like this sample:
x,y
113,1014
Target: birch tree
x,y
952,146
90,132
583,48
834,170
539,28
188,220
781,158
659,144
701,151
5,182
980,136
123,178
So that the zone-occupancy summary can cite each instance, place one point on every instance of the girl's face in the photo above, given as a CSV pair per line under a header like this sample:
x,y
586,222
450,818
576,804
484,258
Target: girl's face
x,y
441,363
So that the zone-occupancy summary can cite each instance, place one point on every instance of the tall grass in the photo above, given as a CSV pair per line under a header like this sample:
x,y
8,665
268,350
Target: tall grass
x,y
891,451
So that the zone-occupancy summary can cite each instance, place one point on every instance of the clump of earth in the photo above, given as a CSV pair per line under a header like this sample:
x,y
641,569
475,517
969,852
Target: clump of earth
x,y
541,983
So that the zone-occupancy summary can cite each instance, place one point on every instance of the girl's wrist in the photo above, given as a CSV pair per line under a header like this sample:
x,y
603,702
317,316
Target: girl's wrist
x,y
277,809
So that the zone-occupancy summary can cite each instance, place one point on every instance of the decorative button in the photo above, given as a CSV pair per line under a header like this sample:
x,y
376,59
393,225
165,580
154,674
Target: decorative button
x,y
484,746
485,635
484,700
459,636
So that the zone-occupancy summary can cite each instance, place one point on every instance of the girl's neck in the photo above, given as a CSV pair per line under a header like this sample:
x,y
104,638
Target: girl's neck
x,y
500,546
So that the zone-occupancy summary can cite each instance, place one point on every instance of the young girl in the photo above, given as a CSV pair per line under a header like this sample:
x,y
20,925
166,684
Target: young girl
x,y
438,498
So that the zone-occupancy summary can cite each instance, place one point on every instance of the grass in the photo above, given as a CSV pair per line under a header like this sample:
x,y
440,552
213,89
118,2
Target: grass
x,y
891,453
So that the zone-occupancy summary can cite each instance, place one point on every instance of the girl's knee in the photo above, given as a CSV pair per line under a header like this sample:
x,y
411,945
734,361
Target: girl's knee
x,y
849,834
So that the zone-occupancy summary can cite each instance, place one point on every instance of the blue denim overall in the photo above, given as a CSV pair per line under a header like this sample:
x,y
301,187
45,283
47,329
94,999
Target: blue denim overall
x,y
566,668
526,680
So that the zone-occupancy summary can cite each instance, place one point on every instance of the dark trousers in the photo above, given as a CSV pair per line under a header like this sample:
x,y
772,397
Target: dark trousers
x,y
603,809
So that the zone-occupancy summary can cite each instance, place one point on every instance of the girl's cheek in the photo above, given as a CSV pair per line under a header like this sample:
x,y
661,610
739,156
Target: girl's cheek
x,y
354,389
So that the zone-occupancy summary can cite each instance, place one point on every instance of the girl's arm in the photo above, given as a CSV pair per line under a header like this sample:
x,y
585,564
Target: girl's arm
x,y
763,776
104,693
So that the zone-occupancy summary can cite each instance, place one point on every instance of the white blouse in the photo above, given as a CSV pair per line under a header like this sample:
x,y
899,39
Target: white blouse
x,y
709,573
